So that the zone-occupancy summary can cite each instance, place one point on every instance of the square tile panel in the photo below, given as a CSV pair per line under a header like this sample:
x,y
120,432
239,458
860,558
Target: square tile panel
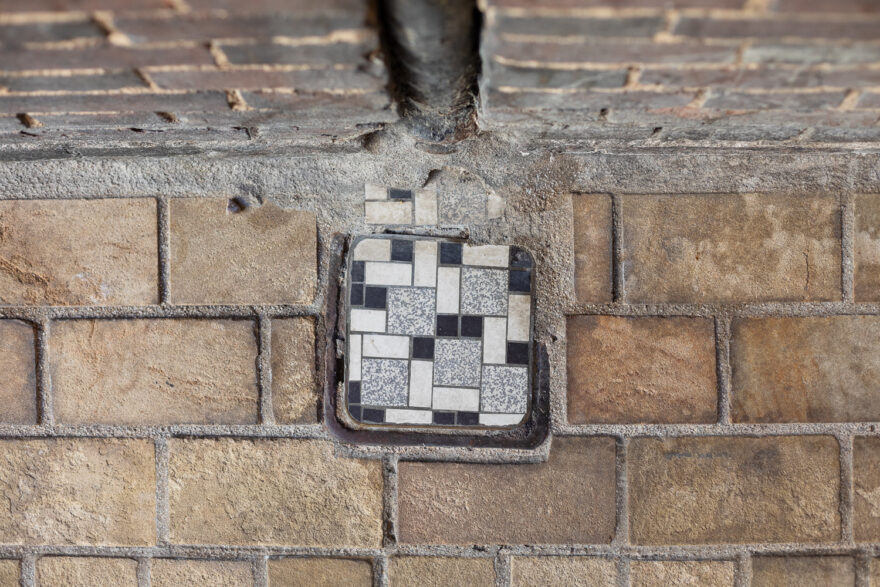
x,y
438,333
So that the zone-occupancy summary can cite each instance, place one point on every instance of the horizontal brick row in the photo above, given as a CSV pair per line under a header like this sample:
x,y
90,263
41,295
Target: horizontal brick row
x,y
843,7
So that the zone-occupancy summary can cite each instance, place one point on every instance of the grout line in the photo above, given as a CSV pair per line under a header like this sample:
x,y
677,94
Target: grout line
x,y
163,521
380,571
847,495
847,246
745,310
389,500
264,369
723,367
701,430
37,314
45,405
28,571
143,572
617,255
163,233
742,572
621,533
623,572
503,569
261,571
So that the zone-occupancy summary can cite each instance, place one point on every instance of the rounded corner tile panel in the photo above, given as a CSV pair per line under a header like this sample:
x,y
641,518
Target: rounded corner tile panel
x,y
438,333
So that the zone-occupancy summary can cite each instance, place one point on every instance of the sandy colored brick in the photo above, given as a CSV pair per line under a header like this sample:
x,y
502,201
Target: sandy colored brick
x,y
71,571
155,372
569,498
806,369
282,491
803,571
734,490
592,248
875,571
435,571
731,248
635,370
320,572
78,491
78,252
294,393
866,481
562,571
175,573
867,248
18,392
696,573
231,252
10,572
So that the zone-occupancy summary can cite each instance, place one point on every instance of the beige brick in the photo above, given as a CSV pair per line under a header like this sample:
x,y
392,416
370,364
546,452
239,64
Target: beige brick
x,y
10,572
18,392
866,480
592,248
175,573
78,252
734,490
562,571
231,253
154,372
803,571
71,571
569,498
867,248
294,392
625,370
731,248
875,571
283,491
806,369
665,573
435,571
320,572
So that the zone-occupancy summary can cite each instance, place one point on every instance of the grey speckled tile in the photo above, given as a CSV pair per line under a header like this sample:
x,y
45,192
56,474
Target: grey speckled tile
x,y
411,311
457,362
484,291
385,382
504,389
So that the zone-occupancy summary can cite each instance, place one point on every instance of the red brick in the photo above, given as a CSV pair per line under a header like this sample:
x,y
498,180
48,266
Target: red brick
x,y
588,27
323,108
18,393
43,32
869,100
732,100
620,3
848,54
586,100
769,78
194,101
83,5
295,6
775,28
265,53
255,79
839,6
557,78
615,51
104,56
54,83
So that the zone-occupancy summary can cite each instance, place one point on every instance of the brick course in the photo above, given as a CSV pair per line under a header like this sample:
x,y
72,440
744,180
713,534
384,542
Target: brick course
x,y
663,573
67,571
561,571
774,571
174,572
320,572
425,571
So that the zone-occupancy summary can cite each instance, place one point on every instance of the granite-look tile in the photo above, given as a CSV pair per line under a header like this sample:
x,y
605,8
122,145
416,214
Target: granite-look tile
x,y
375,249
354,357
456,399
494,340
457,362
426,207
395,416
447,289
390,212
486,255
388,273
367,320
425,264
375,192
504,389
411,311
484,291
386,346
421,383
500,419
385,382
518,317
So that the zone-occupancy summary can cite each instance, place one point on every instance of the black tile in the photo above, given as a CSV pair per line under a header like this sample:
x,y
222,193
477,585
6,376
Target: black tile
x,y
472,326
399,194
520,281
357,271
468,418
401,250
447,325
520,258
518,353
450,253
447,418
422,347
357,294
354,392
355,412
375,297
373,416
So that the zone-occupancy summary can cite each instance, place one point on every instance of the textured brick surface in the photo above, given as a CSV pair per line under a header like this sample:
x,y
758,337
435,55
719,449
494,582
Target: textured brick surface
x,y
570,498
734,490
296,55
78,252
294,394
664,573
638,26
103,56
866,481
806,369
257,255
589,100
230,491
18,394
592,248
191,102
803,571
626,370
614,51
154,372
199,28
733,100
68,571
776,28
55,83
562,571
174,573
867,248
429,571
10,572
78,491
320,572
310,80
736,248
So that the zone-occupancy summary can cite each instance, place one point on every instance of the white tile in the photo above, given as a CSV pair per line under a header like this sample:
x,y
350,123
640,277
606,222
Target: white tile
x,y
494,340
386,346
425,271
373,249
375,192
426,206
448,279
354,358
500,419
408,416
518,314
421,378
486,255
388,273
367,320
388,212
460,399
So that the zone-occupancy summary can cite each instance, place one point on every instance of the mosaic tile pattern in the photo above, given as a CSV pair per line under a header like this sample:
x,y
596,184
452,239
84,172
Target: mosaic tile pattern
x,y
439,332
388,205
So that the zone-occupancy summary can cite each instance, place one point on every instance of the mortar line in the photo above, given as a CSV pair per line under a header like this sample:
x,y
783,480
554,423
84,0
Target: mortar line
x,y
617,265
722,367
742,572
734,429
623,565
847,246
156,311
847,494
863,570
260,571
380,571
163,518
28,570
45,405
163,234
389,500
503,569
752,309
621,531
143,572
264,369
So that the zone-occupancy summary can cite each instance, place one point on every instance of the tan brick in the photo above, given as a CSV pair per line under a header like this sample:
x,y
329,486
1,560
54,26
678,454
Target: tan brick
x,y
286,492
294,395
592,248
731,248
806,369
18,393
734,490
71,571
256,255
803,571
155,372
866,479
78,491
875,571
174,573
562,571
10,572
320,572
867,248
431,571
664,573
569,498
656,370
78,252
